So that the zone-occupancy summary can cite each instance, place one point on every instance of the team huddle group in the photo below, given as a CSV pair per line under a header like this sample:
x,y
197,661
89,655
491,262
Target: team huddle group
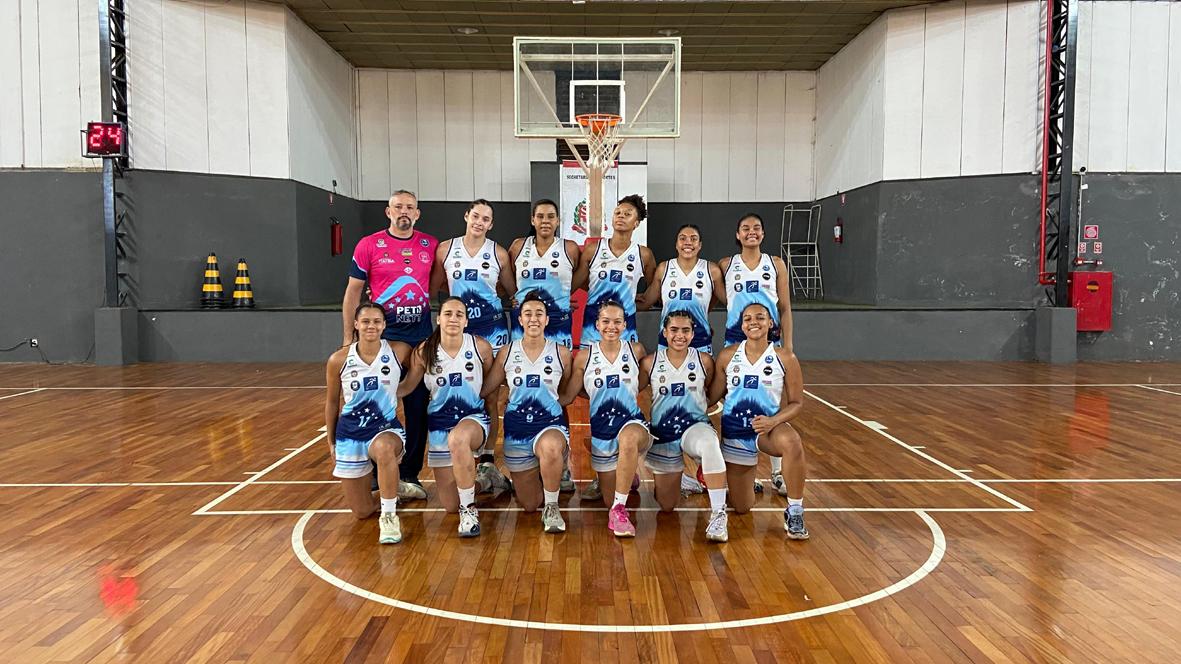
x,y
449,377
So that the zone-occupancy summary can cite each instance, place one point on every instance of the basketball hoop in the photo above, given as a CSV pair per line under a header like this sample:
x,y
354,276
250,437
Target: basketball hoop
x,y
601,131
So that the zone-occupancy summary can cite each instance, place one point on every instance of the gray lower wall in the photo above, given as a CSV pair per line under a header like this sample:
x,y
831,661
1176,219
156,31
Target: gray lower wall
x,y
290,336
1139,218
51,263
950,243
176,219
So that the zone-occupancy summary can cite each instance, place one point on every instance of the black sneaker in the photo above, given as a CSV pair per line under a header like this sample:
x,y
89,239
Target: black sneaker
x,y
794,524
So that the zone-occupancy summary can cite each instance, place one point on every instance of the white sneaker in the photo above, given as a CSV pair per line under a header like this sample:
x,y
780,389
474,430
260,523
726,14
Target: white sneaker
x,y
410,491
391,529
469,522
778,484
690,486
567,484
551,519
717,530
489,479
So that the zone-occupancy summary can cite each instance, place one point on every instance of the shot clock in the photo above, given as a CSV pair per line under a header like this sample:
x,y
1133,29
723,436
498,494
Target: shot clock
x,y
104,139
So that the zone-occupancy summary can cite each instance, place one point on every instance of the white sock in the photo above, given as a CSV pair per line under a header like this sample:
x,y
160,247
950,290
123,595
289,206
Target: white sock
x,y
389,505
620,499
795,502
776,465
467,496
717,499
550,496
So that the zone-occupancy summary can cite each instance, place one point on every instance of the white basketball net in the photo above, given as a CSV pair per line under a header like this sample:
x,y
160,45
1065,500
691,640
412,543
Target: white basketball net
x,y
602,141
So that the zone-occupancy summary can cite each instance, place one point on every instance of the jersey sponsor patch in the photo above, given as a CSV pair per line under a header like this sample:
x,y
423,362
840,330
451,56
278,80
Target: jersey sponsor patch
x,y
371,383
612,381
750,382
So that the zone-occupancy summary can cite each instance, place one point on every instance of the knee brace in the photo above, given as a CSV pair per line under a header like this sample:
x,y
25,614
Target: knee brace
x,y
703,443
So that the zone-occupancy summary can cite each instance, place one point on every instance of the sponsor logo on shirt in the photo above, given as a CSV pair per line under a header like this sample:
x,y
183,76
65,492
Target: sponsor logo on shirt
x,y
533,380
612,381
750,382
456,379
370,383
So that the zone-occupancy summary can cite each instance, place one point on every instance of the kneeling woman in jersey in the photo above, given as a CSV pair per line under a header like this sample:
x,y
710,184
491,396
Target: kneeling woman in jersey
x,y
680,377
361,418
452,364
535,429
609,371
764,391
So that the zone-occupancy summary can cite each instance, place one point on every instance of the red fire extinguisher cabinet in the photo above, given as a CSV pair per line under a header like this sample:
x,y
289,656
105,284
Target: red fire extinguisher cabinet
x,y
1090,295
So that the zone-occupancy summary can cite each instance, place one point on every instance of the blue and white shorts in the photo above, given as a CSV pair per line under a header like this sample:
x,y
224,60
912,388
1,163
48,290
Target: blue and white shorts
x,y
352,456
520,454
438,455
605,451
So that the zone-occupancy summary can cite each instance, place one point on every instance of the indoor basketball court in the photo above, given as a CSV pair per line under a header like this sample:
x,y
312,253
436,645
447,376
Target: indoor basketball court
x,y
989,394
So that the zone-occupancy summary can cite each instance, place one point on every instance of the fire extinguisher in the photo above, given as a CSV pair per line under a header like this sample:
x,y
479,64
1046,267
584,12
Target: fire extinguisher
x,y
838,231
337,237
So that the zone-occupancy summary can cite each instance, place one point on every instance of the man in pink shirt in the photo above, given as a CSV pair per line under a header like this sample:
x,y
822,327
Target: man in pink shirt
x,y
398,263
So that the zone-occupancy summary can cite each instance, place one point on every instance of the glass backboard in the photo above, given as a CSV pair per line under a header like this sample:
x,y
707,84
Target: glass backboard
x,y
558,78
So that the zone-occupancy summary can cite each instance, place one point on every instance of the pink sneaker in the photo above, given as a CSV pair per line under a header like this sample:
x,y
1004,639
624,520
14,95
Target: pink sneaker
x,y
619,523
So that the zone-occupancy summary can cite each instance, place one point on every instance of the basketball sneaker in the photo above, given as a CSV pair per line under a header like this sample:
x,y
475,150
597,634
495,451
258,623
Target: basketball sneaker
x,y
690,486
778,484
567,485
410,491
551,519
619,523
391,529
491,480
793,523
469,521
718,530
592,491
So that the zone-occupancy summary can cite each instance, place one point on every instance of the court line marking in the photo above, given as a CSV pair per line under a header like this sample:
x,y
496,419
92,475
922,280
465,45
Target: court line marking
x,y
255,477
176,387
1157,389
21,394
776,510
850,480
922,453
938,548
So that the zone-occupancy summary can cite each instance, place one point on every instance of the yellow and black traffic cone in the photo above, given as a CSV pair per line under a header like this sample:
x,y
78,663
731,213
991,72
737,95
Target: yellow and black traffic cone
x,y
243,293
211,292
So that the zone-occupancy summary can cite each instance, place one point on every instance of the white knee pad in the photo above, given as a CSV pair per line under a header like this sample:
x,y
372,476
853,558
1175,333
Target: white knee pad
x,y
700,441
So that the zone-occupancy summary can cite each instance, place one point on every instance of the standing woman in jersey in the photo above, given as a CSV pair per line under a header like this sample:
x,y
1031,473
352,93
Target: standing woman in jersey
x,y
680,377
612,269
536,435
361,418
544,264
472,264
764,390
752,276
686,283
453,363
609,371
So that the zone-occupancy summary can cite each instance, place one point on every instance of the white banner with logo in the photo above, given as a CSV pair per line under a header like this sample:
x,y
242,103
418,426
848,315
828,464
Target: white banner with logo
x,y
623,180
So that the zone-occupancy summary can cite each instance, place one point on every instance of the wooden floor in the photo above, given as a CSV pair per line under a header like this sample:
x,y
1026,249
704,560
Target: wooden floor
x,y
959,512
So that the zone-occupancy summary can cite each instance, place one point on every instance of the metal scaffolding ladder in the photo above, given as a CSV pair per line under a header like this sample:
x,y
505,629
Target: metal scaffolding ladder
x,y
802,257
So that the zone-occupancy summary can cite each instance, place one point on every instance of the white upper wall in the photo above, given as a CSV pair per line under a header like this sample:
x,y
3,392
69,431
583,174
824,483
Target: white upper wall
x,y
849,114
1128,92
49,82
321,111
448,135
938,91
239,88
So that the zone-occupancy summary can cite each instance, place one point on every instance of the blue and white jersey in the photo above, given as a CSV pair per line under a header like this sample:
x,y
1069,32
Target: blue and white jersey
x,y
678,395
532,392
616,278
549,274
473,279
612,388
454,384
688,291
752,389
370,393
745,286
